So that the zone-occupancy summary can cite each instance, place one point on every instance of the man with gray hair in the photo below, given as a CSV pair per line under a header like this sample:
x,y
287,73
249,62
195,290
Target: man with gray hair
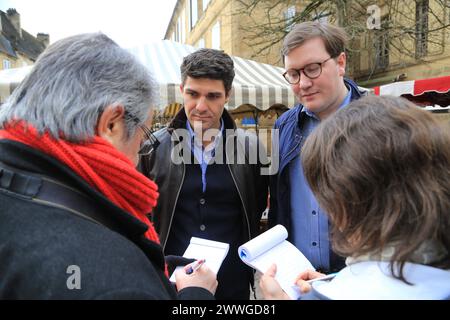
x,y
73,207
314,58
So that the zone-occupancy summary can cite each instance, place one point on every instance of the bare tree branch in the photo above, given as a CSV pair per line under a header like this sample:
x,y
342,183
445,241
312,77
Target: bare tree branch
x,y
266,25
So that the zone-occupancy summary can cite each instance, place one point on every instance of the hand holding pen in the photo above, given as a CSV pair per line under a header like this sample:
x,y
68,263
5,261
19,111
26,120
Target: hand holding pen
x,y
193,275
191,268
306,278
325,277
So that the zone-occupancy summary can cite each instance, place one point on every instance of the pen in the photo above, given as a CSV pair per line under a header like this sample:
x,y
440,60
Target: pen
x,y
327,277
195,266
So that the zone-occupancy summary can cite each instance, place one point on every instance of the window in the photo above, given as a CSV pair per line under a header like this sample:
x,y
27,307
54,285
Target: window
x,y
381,50
447,5
193,13
182,28
289,16
178,31
216,36
175,33
6,64
421,28
381,44
205,4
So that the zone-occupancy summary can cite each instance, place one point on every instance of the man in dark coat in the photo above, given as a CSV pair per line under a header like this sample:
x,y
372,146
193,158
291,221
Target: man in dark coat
x,y
210,187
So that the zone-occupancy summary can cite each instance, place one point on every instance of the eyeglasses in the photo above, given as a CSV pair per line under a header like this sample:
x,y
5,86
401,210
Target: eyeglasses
x,y
150,143
312,71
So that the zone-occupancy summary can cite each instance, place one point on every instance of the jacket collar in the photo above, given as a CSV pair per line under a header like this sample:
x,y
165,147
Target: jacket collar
x,y
355,93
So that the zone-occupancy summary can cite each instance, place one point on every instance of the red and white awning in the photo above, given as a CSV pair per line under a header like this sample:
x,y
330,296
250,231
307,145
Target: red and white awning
x,y
415,87
432,94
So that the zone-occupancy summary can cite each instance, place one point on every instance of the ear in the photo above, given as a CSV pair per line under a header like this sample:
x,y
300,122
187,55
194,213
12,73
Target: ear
x,y
227,96
342,61
181,88
110,124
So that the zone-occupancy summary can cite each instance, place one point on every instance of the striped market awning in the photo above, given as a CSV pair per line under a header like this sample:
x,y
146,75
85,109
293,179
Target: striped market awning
x,y
258,84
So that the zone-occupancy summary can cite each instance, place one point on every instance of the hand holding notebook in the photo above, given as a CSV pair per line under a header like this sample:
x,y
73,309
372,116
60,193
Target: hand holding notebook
x,y
213,252
271,247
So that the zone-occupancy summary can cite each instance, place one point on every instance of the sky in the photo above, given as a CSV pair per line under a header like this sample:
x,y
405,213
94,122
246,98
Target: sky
x,y
128,22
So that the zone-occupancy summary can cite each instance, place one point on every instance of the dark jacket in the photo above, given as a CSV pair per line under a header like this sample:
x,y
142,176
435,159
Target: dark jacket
x,y
290,143
251,185
40,243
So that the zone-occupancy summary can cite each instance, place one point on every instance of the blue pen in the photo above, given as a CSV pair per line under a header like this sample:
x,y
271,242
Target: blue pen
x,y
195,266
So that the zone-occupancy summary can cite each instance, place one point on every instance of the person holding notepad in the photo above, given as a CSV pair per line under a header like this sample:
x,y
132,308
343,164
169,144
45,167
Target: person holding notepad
x,y
209,186
73,208
380,169
314,59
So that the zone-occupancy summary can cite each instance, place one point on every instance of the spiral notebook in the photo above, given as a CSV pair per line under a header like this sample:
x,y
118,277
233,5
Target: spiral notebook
x,y
272,247
213,251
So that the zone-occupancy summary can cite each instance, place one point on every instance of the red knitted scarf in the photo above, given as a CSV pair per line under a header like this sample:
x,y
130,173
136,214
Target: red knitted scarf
x,y
99,164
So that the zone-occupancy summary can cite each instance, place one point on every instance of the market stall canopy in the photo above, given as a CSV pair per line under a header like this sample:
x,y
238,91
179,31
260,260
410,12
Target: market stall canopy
x,y
259,84
432,93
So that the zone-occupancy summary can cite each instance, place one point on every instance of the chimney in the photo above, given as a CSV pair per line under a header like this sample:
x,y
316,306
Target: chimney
x,y
43,38
14,18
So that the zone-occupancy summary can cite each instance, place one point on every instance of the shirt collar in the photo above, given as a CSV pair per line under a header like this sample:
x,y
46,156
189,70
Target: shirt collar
x,y
200,143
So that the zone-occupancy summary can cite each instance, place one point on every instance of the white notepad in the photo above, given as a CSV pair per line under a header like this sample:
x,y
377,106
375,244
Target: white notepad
x,y
213,251
271,247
